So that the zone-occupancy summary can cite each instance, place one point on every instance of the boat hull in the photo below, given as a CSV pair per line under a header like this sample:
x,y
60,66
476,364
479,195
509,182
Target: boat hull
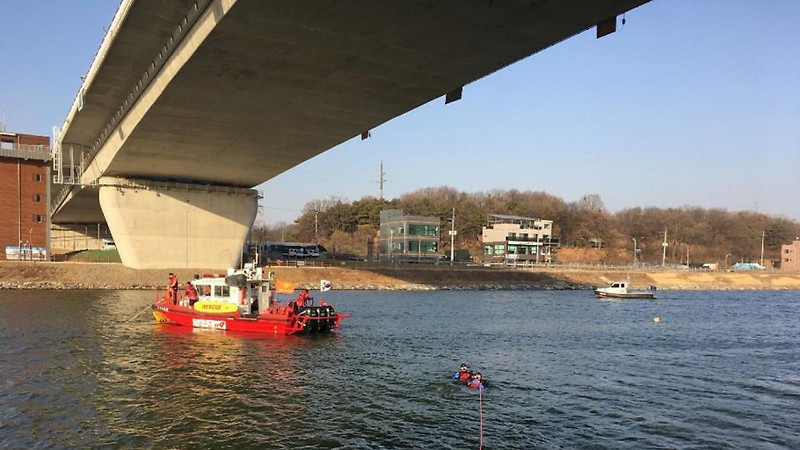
x,y
281,322
632,295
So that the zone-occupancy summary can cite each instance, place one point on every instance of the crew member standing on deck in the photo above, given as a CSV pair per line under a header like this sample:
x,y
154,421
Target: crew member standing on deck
x,y
172,290
191,293
303,298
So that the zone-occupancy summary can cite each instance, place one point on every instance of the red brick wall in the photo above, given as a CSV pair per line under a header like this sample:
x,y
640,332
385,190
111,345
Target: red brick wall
x,y
23,196
28,139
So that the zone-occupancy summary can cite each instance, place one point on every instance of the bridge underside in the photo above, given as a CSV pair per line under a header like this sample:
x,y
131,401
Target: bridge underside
x,y
256,87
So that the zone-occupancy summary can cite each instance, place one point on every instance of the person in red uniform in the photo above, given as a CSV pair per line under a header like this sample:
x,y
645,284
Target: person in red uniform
x,y
172,289
303,297
477,381
463,374
191,293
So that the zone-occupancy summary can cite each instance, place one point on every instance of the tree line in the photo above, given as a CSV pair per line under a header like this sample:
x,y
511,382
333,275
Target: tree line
x,y
692,233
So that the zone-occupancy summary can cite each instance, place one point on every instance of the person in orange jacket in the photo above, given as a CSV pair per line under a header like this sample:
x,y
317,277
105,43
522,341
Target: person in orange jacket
x,y
463,375
172,289
477,381
303,297
191,293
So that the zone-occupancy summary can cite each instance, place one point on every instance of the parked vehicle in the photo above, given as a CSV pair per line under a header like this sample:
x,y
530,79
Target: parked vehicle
x,y
743,266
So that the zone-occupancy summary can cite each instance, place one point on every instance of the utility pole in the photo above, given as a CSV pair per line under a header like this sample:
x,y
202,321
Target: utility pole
x,y
634,252
381,181
762,247
316,229
664,245
452,236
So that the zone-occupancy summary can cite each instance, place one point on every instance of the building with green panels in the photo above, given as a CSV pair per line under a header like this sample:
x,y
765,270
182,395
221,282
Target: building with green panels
x,y
408,238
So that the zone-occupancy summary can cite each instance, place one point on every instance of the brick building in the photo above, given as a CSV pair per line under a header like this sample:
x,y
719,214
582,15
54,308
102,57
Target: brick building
x,y
790,256
24,196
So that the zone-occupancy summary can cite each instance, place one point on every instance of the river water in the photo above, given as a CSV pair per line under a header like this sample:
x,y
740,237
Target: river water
x,y
720,370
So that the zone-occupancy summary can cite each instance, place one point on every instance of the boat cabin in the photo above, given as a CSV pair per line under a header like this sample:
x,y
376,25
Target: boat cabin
x,y
246,288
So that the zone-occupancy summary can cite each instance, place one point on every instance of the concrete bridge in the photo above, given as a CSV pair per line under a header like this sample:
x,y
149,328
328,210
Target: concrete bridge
x,y
190,104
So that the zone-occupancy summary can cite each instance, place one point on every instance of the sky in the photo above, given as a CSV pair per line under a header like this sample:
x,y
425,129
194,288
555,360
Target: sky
x,y
690,103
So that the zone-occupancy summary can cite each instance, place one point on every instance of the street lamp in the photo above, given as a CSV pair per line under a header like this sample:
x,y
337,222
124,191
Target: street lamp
x,y
726,261
453,233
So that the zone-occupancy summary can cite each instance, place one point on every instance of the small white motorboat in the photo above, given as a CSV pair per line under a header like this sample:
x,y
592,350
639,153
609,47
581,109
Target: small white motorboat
x,y
619,289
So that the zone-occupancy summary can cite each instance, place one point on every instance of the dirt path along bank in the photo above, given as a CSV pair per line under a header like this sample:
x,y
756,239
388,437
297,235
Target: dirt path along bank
x,y
46,275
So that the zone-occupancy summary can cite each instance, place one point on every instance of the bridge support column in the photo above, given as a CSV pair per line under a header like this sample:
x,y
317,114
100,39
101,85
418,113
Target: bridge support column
x,y
164,225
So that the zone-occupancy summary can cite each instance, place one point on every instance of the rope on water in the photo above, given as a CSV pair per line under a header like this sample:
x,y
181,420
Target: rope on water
x,y
480,408
139,313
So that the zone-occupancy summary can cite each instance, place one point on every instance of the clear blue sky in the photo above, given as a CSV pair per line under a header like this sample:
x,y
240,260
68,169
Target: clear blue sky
x,y
691,103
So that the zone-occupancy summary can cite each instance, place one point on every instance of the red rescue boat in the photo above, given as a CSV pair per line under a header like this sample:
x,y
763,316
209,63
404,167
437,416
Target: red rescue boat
x,y
243,300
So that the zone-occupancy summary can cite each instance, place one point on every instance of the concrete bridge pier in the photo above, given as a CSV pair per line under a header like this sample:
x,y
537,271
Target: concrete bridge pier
x,y
166,225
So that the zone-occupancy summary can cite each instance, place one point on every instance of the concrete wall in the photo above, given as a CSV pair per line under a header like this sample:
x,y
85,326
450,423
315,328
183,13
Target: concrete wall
x,y
174,225
71,237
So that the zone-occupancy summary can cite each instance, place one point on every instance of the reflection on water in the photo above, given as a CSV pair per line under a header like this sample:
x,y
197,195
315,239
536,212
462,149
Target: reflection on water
x,y
85,368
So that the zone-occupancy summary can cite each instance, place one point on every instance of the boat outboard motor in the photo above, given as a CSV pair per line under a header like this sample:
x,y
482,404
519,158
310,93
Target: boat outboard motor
x,y
313,322
324,326
332,320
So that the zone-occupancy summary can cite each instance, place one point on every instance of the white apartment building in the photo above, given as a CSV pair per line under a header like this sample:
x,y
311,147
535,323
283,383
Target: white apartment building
x,y
518,239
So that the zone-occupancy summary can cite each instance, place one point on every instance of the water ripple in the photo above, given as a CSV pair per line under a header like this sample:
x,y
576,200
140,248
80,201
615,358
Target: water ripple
x,y
86,369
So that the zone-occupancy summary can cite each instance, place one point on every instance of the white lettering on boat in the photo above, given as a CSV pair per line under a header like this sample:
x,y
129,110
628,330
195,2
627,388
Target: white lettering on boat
x,y
206,323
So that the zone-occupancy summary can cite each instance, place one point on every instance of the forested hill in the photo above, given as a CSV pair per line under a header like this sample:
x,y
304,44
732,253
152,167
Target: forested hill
x,y
705,234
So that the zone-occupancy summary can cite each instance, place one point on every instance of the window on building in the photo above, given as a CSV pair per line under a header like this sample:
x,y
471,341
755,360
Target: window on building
x,y
37,177
423,230
512,235
37,198
6,145
38,218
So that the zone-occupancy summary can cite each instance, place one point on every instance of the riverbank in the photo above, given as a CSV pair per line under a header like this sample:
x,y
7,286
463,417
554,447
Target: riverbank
x,y
46,275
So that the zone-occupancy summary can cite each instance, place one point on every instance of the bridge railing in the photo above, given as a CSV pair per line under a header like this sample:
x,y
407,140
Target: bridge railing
x,y
152,69
26,151
162,185
141,84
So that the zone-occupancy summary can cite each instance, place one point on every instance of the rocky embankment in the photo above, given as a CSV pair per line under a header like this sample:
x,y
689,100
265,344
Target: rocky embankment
x,y
39,275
